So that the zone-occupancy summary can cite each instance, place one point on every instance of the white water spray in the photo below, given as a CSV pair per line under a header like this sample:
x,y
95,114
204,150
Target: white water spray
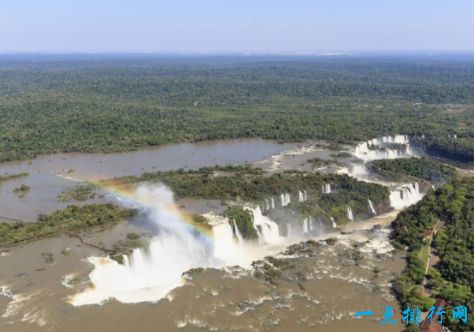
x,y
240,239
285,199
150,275
326,189
267,230
405,195
349,213
371,207
379,148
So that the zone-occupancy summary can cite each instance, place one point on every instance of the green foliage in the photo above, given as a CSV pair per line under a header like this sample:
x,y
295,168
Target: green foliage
x,y
252,185
71,219
461,149
421,168
81,192
126,246
21,190
452,205
118,104
12,176
243,219
201,221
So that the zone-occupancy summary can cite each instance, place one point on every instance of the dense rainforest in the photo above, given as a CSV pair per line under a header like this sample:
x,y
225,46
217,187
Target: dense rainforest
x,y
443,223
116,103
419,168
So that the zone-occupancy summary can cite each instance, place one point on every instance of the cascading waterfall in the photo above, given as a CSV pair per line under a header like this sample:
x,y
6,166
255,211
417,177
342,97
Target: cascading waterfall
x,y
240,239
149,275
285,199
267,229
228,243
359,171
371,207
379,148
350,215
326,189
300,196
405,195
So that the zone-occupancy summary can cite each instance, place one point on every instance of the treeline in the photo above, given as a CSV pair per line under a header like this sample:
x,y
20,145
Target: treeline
x,y
12,176
461,150
79,105
230,183
451,208
421,168
71,219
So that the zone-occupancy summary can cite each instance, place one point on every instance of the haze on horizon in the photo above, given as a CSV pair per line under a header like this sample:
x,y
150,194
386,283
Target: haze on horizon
x,y
212,26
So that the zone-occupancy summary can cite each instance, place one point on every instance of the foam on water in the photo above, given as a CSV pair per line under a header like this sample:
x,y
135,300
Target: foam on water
x,y
405,195
149,275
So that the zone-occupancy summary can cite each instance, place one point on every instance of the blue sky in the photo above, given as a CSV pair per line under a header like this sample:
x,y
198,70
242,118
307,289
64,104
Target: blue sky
x,y
285,26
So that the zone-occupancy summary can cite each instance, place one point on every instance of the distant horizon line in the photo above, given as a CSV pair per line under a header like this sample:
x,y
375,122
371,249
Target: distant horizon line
x,y
250,53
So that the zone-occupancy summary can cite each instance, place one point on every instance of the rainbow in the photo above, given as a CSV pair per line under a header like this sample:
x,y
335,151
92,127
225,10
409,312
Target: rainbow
x,y
127,191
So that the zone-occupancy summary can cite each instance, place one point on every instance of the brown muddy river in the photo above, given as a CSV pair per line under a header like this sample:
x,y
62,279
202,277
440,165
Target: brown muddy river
x,y
304,286
46,184
320,287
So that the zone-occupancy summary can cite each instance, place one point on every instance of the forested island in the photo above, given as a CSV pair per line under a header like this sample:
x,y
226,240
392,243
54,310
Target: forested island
x,y
245,184
118,103
72,220
413,168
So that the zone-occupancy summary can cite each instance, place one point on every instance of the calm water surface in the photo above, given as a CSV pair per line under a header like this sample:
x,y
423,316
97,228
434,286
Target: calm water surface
x,y
46,184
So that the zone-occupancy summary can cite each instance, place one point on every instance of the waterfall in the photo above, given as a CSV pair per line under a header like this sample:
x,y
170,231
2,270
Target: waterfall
x,y
267,205
273,203
267,230
334,225
227,240
285,199
300,196
379,148
350,215
359,171
405,195
305,225
148,275
371,207
237,234
326,189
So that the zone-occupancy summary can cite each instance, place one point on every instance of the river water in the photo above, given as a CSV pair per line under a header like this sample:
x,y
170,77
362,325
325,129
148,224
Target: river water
x,y
319,284
46,185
